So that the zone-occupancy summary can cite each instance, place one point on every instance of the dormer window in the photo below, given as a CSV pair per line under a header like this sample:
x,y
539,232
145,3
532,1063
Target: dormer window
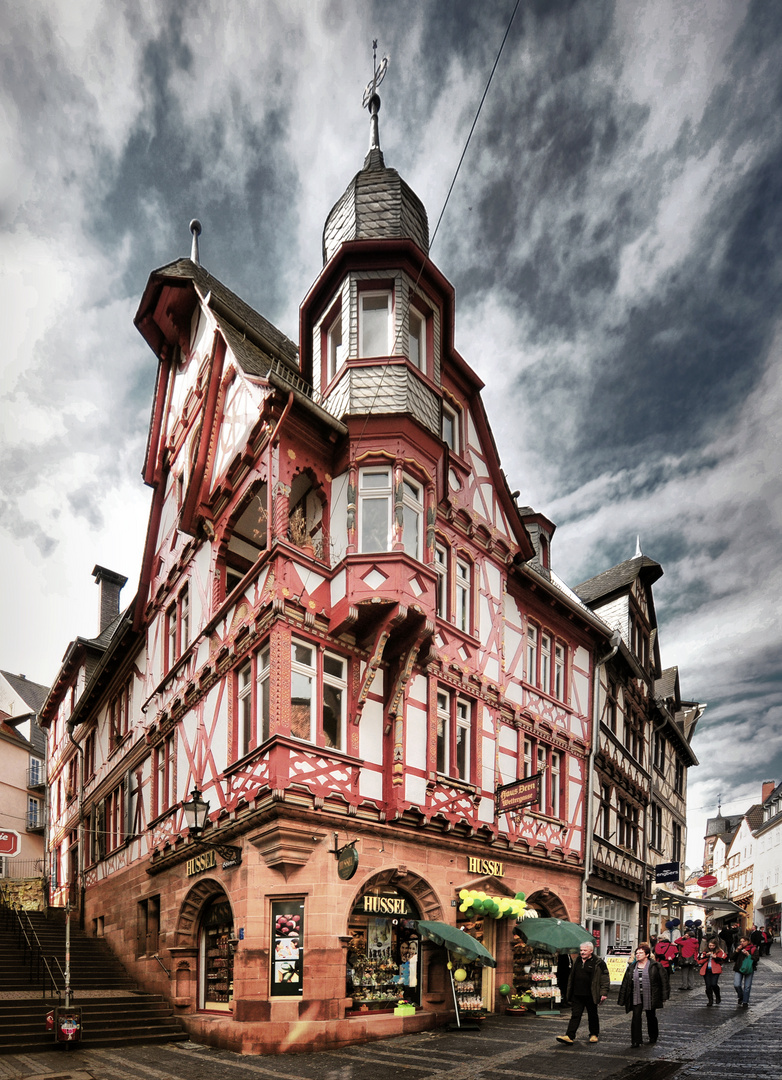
x,y
374,323
416,333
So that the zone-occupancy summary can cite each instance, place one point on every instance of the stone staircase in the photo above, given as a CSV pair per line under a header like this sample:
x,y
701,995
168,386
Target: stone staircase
x,y
114,1011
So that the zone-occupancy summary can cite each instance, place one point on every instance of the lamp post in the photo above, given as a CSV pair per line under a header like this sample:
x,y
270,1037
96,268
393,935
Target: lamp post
x,y
196,812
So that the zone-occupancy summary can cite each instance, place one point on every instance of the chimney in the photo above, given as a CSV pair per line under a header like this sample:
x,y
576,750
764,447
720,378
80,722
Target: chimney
x,y
768,787
110,588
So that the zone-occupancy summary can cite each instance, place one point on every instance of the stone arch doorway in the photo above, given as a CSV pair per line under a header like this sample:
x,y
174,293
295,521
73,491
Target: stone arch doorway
x,y
548,905
382,945
206,943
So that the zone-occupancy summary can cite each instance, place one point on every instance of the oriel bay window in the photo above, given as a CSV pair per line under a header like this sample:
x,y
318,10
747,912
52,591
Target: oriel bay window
x,y
454,736
318,695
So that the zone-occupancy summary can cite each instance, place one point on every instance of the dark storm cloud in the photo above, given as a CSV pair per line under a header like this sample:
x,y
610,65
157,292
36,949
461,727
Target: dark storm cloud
x,y
174,166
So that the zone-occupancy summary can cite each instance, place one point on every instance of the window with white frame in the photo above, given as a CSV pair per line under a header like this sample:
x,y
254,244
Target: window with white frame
x,y
375,512
163,764
604,817
374,322
463,596
416,333
335,350
545,661
450,428
454,735
678,777
318,695
532,654
413,518
441,584
34,813
177,629
252,703
375,501
541,759
559,671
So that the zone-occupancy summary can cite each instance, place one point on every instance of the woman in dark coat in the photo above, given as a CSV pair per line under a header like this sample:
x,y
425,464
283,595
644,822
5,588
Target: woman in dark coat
x,y
644,989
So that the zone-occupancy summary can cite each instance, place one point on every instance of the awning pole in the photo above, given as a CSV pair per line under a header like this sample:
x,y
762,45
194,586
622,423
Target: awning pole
x,y
453,991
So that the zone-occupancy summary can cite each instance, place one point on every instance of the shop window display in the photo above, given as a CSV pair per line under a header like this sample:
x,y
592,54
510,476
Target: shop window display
x,y
287,949
217,957
383,958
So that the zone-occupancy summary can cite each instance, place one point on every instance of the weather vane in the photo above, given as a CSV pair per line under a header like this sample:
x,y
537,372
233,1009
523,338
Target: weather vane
x,y
379,74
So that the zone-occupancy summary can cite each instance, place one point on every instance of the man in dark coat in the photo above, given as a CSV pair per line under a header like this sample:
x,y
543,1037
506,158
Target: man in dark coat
x,y
587,988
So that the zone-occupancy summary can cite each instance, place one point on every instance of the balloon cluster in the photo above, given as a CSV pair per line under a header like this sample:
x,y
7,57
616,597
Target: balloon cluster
x,y
672,924
693,924
498,907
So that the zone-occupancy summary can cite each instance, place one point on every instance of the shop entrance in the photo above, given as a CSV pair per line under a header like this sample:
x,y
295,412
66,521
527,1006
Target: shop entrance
x,y
215,956
384,953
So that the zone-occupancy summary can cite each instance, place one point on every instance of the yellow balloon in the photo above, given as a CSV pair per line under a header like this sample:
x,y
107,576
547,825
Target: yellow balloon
x,y
450,966
460,974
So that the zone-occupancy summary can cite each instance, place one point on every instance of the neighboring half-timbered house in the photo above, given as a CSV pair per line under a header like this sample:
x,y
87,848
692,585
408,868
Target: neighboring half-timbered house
x,y
642,752
344,639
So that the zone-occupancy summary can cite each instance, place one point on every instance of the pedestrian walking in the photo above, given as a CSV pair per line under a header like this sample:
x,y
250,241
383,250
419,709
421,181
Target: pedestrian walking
x,y
644,989
745,960
710,963
728,935
687,945
665,952
587,988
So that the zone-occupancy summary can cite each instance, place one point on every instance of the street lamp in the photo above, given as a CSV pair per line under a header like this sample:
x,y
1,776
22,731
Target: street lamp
x,y
196,811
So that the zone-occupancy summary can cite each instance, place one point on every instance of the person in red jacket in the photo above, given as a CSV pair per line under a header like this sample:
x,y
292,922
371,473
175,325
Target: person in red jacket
x,y
665,952
687,945
710,965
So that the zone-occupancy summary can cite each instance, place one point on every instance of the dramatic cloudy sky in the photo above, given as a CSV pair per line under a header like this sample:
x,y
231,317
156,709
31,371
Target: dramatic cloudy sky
x,y
614,238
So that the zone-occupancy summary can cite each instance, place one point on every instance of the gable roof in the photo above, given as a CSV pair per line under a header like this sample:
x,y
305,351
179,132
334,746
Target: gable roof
x,y
221,299
618,578
32,694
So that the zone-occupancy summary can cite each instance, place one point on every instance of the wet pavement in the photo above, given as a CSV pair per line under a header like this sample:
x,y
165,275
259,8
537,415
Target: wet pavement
x,y
696,1043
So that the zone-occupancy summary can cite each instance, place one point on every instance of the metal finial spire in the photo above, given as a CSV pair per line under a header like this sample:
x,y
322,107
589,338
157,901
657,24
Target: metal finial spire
x,y
638,551
371,99
195,229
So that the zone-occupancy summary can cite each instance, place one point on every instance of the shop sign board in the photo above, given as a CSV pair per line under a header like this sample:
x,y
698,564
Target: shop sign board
x,y
667,871
707,881
485,866
347,862
617,965
205,861
515,796
10,843
385,905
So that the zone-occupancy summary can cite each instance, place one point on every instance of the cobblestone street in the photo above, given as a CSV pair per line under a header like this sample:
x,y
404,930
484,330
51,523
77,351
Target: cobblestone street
x,y
695,1042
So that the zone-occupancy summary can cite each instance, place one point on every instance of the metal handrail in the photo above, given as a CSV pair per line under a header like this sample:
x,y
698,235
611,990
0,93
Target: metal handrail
x,y
35,950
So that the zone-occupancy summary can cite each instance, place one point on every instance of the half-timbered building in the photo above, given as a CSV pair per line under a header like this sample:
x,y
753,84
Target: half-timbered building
x,y
346,636
637,805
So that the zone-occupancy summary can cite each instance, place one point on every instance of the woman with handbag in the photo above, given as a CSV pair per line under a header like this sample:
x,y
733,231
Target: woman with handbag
x,y
710,966
644,990
745,960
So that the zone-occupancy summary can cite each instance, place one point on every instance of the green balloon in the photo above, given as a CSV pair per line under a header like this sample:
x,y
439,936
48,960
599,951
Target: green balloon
x,y
504,989
520,896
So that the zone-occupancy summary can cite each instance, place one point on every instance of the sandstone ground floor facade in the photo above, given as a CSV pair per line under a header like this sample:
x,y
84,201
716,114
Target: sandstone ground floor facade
x,y
306,936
